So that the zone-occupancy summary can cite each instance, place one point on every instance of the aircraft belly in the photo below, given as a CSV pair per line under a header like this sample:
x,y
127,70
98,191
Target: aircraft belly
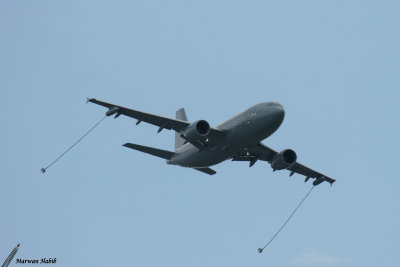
x,y
243,131
234,142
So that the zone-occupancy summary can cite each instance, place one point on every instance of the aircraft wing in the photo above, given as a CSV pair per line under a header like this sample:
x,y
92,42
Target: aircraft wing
x,y
162,122
263,152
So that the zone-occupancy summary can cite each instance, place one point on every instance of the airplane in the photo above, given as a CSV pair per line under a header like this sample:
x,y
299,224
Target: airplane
x,y
199,146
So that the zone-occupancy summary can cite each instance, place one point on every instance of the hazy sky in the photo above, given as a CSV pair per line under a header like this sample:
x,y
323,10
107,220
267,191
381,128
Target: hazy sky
x,y
333,65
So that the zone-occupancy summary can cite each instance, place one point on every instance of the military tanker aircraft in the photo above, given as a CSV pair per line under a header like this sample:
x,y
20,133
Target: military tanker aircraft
x,y
199,146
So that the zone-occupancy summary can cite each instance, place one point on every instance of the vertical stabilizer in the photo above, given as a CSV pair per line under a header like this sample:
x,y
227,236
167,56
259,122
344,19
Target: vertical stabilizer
x,y
180,115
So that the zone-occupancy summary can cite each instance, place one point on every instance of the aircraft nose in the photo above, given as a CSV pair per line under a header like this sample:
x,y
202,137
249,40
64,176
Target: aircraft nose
x,y
277,105
278,109
278,112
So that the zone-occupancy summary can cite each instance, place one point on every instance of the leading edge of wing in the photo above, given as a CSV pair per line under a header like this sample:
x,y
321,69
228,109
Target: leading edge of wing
x,y
310,173
263,152
160,121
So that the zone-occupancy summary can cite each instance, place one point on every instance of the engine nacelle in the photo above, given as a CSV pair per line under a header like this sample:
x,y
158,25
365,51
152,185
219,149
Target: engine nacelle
x,y
197,130
283,159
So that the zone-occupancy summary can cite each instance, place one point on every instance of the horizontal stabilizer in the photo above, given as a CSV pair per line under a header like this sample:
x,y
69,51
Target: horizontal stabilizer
x,y
206,170
152,151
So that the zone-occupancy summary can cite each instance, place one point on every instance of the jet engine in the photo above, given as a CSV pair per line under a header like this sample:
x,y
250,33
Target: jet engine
x,y
283,159
197,130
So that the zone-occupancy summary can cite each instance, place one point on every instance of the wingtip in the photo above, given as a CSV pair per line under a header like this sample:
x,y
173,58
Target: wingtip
x,y
89,99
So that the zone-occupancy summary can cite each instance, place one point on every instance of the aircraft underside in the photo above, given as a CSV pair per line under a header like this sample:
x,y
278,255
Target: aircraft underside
x,y
199,146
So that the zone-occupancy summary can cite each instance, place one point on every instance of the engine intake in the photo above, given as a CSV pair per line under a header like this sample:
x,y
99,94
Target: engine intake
x,y
284,159
202,127
197,130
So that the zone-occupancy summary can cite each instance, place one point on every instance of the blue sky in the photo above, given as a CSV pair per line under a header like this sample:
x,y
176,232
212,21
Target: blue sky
x,y
333,65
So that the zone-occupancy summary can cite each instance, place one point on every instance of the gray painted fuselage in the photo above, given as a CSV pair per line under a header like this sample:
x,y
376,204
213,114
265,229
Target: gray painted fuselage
x,y
246,129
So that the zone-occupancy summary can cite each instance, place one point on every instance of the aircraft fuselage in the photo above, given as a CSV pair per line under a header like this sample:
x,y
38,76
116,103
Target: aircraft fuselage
x,y
246,129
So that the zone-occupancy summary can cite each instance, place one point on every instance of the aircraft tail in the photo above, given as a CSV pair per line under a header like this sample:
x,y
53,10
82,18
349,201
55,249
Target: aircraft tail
x,y
152,151
180,115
